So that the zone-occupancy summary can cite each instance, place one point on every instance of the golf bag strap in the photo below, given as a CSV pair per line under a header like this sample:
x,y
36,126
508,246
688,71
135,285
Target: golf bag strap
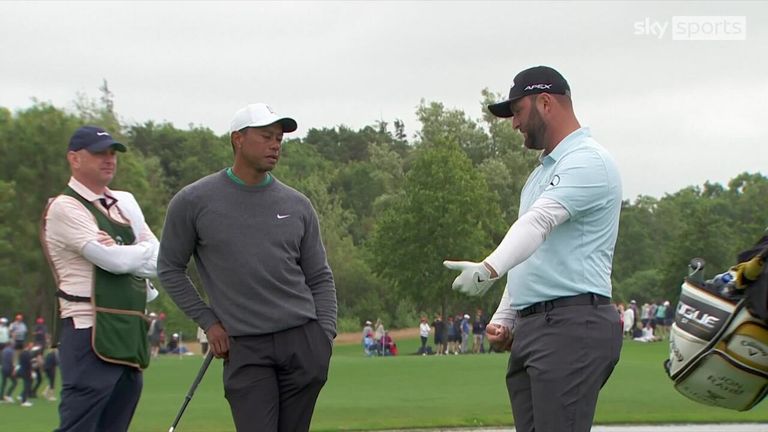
x,y
72,298
757,291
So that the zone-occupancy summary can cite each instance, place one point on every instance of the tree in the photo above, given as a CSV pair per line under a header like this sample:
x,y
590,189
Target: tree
x,y
183,156
643,286
342,144
747,198
440,125
10,297
445,212
358,187
32,149
509,163
107,99
390,212
639,240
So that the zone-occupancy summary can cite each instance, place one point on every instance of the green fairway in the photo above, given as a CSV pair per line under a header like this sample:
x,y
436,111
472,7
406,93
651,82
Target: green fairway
x,y
402,392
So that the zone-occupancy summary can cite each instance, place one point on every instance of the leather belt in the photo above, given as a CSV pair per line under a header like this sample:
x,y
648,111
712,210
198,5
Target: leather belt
x,y
577,300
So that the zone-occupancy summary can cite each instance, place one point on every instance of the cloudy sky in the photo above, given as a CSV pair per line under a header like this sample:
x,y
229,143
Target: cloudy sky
x,y
673,112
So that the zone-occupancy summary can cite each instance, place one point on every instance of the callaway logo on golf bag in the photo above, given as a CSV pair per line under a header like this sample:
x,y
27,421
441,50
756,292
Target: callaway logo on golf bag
x,y
718,346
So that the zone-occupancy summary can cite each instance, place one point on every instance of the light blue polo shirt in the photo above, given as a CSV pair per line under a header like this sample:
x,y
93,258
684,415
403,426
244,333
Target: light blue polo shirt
x,y
576,257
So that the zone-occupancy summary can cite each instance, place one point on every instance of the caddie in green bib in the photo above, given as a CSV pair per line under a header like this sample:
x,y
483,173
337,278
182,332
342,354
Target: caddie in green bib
x,y
119,301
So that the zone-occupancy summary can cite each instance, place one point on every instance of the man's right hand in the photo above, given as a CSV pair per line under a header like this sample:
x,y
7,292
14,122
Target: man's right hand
x,y
475,278
499,336
218,339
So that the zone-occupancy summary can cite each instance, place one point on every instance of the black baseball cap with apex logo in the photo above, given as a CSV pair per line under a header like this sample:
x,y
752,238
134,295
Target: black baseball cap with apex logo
x,y
94,139
538,79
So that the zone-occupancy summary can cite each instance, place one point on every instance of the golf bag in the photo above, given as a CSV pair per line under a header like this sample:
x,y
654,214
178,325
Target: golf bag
x,y
719,340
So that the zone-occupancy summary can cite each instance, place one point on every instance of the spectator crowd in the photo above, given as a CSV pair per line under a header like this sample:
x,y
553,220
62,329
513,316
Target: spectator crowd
x,y
650,322
29,363
26,360
458,334
464,334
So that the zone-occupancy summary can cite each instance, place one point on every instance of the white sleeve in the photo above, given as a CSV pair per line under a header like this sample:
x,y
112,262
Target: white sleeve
x,y
124,259
527,234
148,268
504,314
132,211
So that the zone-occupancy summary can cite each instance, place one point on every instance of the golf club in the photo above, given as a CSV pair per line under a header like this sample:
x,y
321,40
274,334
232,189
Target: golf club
x,y
191,391
696,267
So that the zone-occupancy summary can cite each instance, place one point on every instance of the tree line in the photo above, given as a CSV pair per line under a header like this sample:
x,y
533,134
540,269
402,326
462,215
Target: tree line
x,y
391,207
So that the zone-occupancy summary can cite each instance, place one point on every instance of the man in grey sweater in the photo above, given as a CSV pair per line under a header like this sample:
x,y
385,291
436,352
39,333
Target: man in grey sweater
x,y
272,302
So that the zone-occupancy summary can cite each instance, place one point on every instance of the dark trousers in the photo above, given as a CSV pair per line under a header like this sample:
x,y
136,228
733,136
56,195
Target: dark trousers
x,y
95,395
559,362
26,390
11,380
51,375
272,381
38,382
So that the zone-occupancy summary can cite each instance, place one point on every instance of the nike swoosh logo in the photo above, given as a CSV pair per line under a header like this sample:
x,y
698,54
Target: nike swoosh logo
x,y
102,133
279,216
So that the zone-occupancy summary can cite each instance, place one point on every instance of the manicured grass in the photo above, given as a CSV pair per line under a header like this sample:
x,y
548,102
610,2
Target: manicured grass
x,y
402,392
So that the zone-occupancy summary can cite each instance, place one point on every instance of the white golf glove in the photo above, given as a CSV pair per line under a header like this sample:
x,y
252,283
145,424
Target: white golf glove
x,y
474,280
152,292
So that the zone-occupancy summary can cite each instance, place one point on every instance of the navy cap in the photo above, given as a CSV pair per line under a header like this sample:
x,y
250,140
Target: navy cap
x,y
539,79
94,139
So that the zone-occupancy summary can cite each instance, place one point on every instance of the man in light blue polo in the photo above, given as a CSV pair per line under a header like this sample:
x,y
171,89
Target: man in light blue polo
x,y
557,257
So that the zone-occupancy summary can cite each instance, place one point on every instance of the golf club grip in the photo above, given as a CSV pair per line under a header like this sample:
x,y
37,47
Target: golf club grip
x,y
188,397
203,368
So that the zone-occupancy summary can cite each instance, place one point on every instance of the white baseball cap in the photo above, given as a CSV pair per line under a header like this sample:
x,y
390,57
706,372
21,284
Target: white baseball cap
x,y
259,115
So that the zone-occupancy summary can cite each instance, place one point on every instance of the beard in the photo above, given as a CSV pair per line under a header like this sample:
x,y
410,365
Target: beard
x,y
535,131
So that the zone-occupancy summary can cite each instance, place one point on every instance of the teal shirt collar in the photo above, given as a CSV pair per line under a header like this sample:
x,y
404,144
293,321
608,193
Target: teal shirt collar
x,y
231,174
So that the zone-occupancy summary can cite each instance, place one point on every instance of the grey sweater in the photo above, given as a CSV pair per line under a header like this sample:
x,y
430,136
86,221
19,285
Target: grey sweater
x,y
258,251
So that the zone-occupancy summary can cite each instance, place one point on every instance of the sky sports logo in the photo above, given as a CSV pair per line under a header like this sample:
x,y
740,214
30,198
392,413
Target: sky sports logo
x,y
695,28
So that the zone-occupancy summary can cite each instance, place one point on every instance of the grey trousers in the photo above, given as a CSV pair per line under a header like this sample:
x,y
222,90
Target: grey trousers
x,y
559,362
272,381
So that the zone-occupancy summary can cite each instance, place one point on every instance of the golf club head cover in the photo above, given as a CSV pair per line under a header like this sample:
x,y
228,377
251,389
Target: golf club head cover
x,y
152,292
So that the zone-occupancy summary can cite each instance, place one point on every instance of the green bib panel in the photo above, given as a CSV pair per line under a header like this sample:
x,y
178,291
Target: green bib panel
x,y
120,300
